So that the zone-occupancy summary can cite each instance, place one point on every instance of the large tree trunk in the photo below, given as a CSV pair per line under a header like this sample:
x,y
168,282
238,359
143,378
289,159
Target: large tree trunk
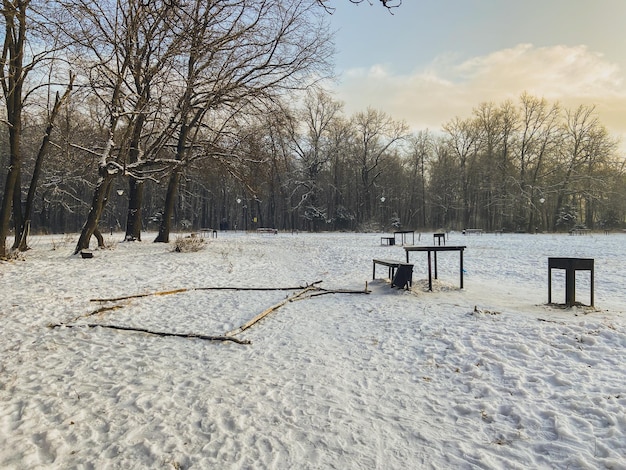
x,y
135,193
172,186
168,210
100,197
133,218
7,199
12,191
12,75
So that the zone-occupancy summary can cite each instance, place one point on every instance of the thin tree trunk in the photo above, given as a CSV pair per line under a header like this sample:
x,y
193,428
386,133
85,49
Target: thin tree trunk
x,y
12,76
98,203
21,235
135,203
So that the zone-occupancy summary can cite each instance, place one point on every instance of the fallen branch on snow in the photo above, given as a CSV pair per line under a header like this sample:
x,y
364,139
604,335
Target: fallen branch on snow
x,y
157,333
308,291
316,291
178,291
267,311
137,296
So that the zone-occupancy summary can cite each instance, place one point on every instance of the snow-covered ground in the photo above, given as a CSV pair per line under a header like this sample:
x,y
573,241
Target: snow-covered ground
x,y
489,376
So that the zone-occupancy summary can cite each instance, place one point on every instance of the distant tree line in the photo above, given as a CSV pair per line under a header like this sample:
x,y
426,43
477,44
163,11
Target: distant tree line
x,y
526,166
172,115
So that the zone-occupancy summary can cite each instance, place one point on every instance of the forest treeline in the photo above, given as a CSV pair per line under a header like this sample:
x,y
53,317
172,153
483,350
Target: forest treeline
x,y
172,115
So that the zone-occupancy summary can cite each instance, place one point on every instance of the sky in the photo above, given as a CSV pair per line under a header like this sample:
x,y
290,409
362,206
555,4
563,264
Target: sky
x,y
434,60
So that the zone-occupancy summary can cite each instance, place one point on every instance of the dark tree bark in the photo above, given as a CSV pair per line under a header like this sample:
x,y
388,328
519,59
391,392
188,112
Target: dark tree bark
x,y
168,209
135,186
173,183
100,197
12,76
135,203
21,234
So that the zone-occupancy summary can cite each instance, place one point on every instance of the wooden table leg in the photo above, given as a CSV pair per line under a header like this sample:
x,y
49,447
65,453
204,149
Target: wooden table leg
x,y
430,277
461,262
549,285
592,286
570,286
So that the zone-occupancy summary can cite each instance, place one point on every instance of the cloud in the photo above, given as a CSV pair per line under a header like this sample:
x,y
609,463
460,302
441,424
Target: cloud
x,y
448,87
552,71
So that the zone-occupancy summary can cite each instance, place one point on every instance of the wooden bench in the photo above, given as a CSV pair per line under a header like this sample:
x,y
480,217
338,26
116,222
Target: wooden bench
x,y
438,237
390,241
399,272
267,230
475,231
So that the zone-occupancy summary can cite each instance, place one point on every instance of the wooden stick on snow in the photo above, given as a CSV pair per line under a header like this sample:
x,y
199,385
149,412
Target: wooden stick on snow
x,y
137,296
267,311
177,291
157,333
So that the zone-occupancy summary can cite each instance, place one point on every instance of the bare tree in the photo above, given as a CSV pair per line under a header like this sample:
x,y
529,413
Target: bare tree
x,y
538,137
375,134
389,4
126,51
152,48
312,147
586,148
463,138
493,191
340,140
13,74
25,24
420,154
443,185
22,230
240,54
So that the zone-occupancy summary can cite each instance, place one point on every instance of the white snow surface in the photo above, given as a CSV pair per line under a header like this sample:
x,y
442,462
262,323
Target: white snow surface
x,y
485,377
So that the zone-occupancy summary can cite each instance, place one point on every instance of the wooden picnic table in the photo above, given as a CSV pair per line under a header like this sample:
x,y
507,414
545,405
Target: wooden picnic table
x,y
435,249
570,265
438,237
403,234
